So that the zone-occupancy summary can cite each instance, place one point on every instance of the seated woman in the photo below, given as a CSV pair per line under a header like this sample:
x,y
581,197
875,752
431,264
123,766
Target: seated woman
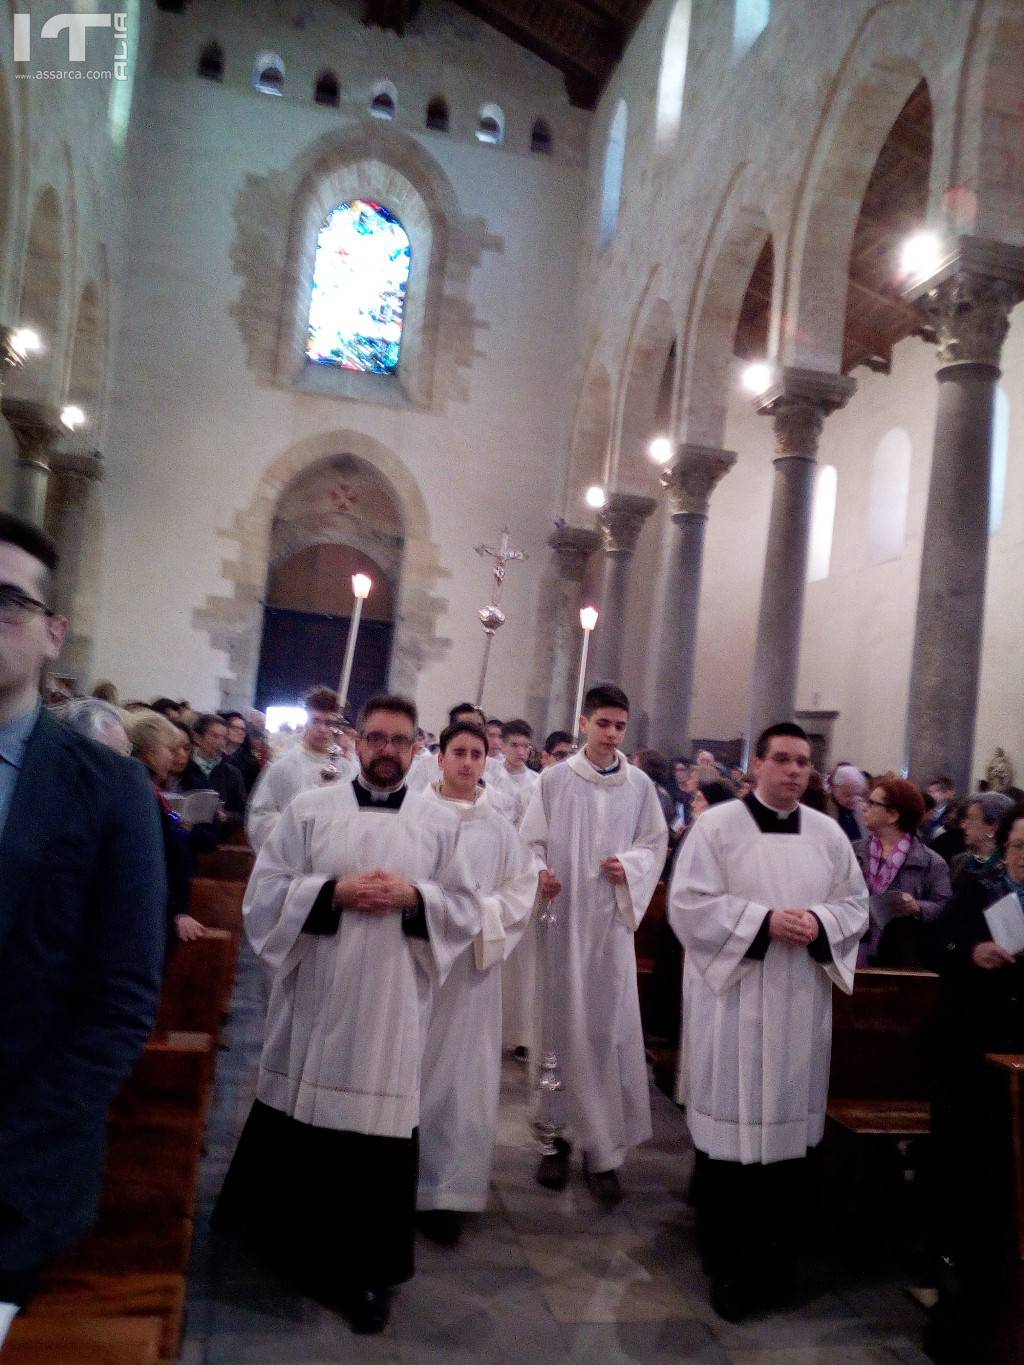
x,y
908,882
981,1011
983,813
154,740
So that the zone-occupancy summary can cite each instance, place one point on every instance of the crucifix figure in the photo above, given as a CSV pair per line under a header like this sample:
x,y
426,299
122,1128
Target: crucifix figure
x,y
492,616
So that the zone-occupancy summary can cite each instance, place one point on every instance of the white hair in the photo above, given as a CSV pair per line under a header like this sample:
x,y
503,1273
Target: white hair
x,y
93,718
846,775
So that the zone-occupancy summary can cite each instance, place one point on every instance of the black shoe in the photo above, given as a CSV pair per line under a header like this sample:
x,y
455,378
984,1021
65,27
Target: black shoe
x,y
732,1298
604,1186
553,1170
368,1310
441,1226
521,1054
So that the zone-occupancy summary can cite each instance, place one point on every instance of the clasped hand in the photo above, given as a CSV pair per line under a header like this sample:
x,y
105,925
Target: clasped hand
x,y
798,928
614,871
548,884
376,893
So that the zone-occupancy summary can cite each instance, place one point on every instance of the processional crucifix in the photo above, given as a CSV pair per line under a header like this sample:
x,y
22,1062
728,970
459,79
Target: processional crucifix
x,y
492,616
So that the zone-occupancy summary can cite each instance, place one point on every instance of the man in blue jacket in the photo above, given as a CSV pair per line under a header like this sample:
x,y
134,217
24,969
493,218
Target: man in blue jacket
x,y
82,933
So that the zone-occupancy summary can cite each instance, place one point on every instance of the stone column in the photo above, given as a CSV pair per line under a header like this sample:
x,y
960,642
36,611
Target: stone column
x,y
798,402
10,359
73,522
967,301
621,518
573,546
37,427
689,482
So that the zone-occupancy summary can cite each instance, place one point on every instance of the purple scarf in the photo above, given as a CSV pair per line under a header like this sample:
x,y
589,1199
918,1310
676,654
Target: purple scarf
x,y
882,871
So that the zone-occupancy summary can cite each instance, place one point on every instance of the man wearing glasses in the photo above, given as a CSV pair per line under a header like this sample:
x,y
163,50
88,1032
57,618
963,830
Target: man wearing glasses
x,y
358,906
770,905
83,900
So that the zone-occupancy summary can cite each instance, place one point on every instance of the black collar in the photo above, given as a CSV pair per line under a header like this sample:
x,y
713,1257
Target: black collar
x,y
768,821
364,797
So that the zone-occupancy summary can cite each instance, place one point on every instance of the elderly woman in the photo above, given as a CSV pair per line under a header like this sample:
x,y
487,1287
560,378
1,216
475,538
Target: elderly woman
x,y
982,1011
154,740
983,814
96,719
908,882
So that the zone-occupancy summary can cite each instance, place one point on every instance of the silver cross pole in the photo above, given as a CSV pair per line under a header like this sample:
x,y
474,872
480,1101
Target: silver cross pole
x,y
492,616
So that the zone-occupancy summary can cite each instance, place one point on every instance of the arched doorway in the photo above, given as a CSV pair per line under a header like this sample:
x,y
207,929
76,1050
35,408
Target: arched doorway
x,y
337,518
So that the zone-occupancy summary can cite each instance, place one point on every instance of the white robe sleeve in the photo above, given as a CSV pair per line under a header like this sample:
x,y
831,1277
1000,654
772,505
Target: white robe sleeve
x,y
534,825
643,862
714,927
452,909
844,916
505,913
281,890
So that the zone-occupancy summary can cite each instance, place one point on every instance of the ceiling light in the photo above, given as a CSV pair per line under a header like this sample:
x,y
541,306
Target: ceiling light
x,y
660,450
595,496
757,376
920,255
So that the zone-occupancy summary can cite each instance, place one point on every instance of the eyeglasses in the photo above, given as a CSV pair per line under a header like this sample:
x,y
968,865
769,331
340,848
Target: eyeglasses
x,y
15,606
882,805
376,739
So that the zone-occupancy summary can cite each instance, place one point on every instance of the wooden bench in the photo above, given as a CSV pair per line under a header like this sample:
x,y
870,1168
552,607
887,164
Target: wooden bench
x,y
57,1340
645,943
227,862
197,987
878,1085
217,904
1012,1065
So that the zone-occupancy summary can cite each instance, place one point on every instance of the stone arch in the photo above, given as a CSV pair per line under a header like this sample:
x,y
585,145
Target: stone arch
x,y
278,218
41,303
889,56
592,429
734,242
987,183
233,621
647,355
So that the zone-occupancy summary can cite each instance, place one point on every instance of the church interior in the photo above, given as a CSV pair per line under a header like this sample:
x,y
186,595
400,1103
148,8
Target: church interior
x,y
711,308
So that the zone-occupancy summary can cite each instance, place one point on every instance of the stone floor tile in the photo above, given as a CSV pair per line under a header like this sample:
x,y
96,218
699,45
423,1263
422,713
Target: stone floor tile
x,y
654,1343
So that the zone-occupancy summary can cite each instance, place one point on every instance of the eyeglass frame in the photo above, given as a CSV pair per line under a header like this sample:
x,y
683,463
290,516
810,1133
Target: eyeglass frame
x,y
23,603
400,743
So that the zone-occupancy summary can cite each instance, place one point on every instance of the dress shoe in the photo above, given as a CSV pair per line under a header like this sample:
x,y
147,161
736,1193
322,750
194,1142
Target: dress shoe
x,y
604,1186
368,1310
732,1298
553,1170
441,1226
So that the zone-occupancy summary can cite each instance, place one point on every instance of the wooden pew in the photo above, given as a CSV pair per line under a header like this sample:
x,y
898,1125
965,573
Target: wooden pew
x,y
645,942
227,862
197,987
878,1084
1012,1065
57,1340
217,904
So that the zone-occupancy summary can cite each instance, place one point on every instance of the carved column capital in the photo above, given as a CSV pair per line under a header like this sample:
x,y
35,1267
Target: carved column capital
x,y
967,300
573,546
621,518
693,477
37,428
799,401
84,466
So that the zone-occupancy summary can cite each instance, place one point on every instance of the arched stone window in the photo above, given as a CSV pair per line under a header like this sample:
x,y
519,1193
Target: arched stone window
x,y
1000,460
823,520
268,74
888,497
384,100
611,182
437,114
327,91
541,139
357,307
672,77
491,125
211,63
750,19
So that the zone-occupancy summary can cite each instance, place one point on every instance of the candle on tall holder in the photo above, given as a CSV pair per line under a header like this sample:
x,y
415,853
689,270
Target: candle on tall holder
x,y
492,616
588,620
361,586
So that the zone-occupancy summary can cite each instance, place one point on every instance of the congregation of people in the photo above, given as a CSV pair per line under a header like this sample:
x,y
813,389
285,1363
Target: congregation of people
x,y
422,906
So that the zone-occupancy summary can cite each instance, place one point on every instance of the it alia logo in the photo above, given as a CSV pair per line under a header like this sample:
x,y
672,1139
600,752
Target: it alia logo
x,y
76,26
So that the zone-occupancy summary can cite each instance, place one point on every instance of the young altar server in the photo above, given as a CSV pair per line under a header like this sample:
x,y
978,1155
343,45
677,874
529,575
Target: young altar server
x,y
358,906
462,1062
770,905
314,762
597,824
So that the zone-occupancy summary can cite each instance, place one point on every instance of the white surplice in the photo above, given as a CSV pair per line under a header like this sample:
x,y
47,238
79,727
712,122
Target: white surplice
x,y
462,1059
578,817
510,792
758,1034
297,770
347,1014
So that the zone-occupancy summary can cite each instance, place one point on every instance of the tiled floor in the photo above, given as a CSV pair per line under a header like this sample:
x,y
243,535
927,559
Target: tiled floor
x,y
542,1279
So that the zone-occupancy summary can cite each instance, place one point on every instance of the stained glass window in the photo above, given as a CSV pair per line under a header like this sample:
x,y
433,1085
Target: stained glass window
x,y
359,280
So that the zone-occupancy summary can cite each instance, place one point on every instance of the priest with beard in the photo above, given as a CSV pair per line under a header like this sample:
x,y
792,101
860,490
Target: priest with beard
x,y
358,907
770,905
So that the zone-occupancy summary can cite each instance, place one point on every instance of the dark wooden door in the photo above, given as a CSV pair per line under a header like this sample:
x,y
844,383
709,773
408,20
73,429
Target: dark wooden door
x,y
303,648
